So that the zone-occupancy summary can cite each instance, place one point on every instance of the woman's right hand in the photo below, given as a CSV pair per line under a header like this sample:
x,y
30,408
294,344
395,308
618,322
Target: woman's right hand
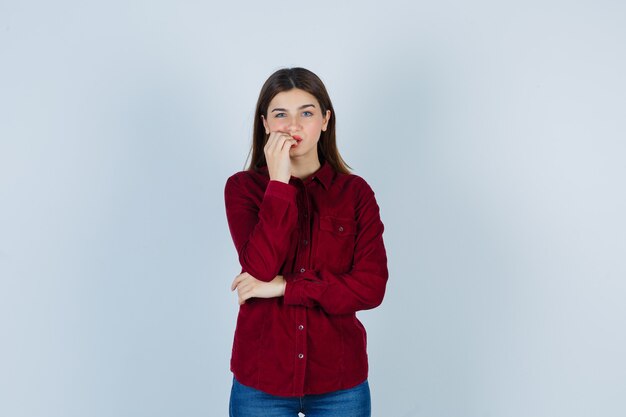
x,y
277,156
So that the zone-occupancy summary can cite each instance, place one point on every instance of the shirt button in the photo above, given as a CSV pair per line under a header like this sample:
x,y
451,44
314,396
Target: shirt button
x,y
301,356
302,270
305,242
341,228
300,327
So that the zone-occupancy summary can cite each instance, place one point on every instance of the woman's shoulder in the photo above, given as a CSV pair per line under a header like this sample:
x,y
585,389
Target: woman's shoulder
x,y
353,180
238,176
246,175
247,180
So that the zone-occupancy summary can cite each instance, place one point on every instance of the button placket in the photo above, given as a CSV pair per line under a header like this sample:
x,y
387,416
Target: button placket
x,y
300,348
305,230
301,265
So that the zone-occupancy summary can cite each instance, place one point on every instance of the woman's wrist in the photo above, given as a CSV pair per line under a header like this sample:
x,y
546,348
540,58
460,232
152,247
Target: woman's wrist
x,y
280,280
281,178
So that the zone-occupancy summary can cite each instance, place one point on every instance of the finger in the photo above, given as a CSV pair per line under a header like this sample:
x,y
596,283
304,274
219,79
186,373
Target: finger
x,y
245,292
278,144
281,137
238,279
243,287
287,144
234,283
270,143
243,298
274,141
287,138
271,139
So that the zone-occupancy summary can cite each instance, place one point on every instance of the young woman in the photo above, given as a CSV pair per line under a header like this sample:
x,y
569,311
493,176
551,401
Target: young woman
x,y
309,238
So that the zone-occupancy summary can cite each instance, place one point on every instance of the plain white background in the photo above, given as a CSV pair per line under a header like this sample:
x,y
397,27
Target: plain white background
x,y
492,133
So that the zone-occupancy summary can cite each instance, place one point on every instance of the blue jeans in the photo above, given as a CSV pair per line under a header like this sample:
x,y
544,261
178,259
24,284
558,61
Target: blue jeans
x,y
250,402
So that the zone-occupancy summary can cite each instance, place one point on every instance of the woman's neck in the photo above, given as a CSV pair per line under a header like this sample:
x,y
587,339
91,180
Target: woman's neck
x,y
302,169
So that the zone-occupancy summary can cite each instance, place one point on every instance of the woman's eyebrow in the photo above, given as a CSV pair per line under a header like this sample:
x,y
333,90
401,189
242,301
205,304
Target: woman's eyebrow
x,y
304,106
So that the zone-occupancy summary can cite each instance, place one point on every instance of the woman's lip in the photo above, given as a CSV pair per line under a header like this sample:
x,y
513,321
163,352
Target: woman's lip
x,y
298,140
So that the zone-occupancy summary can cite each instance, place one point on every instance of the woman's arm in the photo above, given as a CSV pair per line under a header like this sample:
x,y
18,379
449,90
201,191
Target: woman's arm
x,y
261,233
363,287
249,287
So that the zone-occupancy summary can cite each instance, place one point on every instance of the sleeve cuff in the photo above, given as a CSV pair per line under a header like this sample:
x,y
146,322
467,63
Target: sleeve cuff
x,y
296,288
281,190
291,296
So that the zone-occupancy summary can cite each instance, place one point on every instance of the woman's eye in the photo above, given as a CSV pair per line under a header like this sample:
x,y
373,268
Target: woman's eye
x,y
305,113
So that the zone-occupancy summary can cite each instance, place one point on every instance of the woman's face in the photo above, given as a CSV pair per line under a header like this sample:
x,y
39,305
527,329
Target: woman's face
x,y
297,113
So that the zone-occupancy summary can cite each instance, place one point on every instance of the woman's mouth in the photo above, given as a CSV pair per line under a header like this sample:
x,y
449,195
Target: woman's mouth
x,y
298,140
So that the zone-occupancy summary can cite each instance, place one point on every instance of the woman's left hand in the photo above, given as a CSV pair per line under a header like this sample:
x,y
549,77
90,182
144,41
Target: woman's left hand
x,y
248,286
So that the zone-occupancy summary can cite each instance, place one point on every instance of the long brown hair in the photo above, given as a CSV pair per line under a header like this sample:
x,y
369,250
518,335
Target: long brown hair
x,y
286,79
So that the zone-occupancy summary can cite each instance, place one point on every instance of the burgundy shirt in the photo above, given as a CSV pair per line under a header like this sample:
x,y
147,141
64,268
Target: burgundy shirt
x,y
324,235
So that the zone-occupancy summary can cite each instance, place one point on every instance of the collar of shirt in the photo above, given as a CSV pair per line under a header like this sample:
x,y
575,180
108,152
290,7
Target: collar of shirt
x,y
324,175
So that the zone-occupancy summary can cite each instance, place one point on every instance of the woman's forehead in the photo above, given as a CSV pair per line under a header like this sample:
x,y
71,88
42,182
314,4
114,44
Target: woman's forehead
x,y
293,98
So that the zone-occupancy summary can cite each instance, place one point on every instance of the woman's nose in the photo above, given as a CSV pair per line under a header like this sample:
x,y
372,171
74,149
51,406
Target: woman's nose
x,y
293,123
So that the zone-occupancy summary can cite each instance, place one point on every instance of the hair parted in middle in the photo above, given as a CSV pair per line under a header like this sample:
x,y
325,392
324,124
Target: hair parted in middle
x,y
286,79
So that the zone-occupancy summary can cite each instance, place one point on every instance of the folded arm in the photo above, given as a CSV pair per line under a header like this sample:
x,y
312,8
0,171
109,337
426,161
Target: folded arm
x,y
261,232
361,288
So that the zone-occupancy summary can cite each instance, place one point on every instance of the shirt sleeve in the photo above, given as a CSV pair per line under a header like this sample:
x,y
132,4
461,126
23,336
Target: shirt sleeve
x,y
261,232
363,287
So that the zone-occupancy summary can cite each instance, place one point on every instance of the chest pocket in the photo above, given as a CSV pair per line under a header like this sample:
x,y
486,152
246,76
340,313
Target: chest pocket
x,y
335,243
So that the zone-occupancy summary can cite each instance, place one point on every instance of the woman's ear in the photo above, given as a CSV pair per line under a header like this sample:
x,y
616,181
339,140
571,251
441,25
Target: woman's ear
x,y
326,119
267,128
